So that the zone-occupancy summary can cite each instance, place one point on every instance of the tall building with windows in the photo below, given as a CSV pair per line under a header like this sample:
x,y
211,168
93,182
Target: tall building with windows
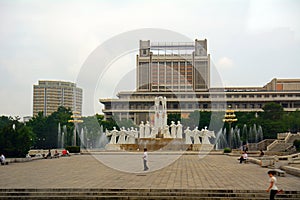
x,y
49,95
173,66
181,73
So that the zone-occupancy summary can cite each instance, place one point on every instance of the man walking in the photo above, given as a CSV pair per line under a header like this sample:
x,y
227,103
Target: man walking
x,y
145,159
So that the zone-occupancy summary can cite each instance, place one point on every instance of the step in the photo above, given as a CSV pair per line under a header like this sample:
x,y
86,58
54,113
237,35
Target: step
x,y
71,193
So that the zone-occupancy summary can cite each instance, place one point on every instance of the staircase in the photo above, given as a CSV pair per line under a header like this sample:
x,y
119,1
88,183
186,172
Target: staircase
x,y
284,142
206,194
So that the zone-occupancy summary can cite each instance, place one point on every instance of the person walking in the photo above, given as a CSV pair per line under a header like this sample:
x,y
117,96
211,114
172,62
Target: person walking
x,y
2,159
272,188
145,159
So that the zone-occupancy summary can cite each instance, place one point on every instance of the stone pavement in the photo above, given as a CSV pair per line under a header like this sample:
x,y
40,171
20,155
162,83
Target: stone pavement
x,y
187,172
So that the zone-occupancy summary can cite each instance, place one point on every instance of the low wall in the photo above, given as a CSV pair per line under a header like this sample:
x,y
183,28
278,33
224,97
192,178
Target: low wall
x,y
291,170
16,160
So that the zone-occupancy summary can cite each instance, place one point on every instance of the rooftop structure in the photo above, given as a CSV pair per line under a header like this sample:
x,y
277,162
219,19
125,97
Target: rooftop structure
x,y
173,66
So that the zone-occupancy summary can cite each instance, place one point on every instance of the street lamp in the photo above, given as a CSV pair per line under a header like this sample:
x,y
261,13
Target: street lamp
x,y
76,118
229,117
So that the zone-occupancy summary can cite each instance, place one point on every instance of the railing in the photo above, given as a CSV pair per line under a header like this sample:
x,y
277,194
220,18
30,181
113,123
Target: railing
x,y
281,136
273,144
287,137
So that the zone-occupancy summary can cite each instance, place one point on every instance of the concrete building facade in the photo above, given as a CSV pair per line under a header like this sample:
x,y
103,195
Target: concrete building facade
x,y
49,95
180,72
173,66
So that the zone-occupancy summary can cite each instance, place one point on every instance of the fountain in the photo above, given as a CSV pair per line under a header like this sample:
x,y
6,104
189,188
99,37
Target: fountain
x,y
61,132
236,138
59,136
158,135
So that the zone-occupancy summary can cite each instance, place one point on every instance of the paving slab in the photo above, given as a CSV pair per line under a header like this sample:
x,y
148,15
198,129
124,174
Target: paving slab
x,y
167,171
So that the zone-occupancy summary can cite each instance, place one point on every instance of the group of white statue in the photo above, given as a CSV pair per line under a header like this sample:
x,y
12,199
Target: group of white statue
x,y
129,136
196,134
125,136
146,131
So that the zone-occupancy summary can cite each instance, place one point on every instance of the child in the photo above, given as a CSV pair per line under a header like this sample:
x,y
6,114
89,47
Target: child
x,y
272,188
145,158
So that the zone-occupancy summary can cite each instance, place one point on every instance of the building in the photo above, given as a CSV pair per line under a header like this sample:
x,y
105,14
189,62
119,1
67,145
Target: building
x,y
173,66
180,72
49,95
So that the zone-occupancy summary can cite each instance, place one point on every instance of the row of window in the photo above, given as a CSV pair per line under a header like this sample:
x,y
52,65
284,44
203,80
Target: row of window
x,y
191,96
201,106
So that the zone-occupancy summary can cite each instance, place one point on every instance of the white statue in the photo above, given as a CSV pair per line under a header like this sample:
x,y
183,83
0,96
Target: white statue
x,y
142,130
166,132
207,134
136,132
173,129
122,137
188,134
130,136
160,116
196,134
114,133
179,130
165,116
154,132
147,129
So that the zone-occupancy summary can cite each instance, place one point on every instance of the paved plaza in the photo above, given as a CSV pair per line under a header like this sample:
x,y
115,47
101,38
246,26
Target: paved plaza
x,y
187,172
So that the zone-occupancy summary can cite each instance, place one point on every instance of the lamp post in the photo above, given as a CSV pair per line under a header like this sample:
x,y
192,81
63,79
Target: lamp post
x,y
229,117
76,118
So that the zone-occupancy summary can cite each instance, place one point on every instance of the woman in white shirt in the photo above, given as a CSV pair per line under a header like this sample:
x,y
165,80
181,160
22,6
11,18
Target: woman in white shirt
x,y
272,188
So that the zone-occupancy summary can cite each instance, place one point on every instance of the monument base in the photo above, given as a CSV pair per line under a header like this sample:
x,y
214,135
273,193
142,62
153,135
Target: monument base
x,y
160,144
113,147
164,144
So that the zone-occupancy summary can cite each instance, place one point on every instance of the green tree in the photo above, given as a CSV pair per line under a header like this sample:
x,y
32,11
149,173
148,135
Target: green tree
x,y
46,128
272,111
174,117
15,138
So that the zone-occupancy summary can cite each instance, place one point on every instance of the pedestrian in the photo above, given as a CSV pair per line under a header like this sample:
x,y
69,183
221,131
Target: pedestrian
x,y
145,159
272,188
261,153
48,155
244,157
2,159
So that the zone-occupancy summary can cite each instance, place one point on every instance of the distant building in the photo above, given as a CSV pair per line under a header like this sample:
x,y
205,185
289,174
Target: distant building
x,y
27,119
180,72
49,95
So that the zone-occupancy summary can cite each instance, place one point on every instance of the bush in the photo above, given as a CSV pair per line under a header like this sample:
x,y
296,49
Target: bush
x,y
73,149
227,150
297,144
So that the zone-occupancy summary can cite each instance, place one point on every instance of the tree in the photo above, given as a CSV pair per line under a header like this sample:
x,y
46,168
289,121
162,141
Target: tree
x,y
46,128
15,138
272,111
174,117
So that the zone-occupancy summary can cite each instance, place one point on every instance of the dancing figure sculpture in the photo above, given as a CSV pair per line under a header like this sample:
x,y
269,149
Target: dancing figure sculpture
x,y
173,129
179,130
147,130
196,135
114,133
142,130
207,134
188,134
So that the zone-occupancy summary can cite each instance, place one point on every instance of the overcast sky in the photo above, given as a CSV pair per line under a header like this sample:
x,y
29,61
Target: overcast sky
x,y
250,42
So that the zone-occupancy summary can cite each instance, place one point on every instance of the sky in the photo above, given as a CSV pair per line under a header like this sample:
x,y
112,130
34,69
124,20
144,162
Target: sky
x,y
250,42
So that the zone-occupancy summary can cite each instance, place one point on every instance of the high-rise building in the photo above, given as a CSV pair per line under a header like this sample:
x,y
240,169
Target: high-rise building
x,y
49,95
173,66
